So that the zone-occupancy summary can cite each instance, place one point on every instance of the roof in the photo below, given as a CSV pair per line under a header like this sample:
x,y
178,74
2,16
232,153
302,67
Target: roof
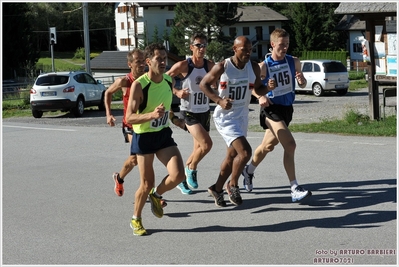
x,y
350,23
259,13
111,60
366,7
117,60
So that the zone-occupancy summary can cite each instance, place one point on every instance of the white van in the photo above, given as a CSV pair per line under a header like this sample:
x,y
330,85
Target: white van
x,y
324,75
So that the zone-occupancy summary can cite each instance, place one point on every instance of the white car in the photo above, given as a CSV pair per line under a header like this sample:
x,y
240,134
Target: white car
x,y
324,75
66,91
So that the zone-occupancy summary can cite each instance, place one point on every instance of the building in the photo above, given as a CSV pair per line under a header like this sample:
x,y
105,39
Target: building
x,y
256,23
356,31
137,21
381,36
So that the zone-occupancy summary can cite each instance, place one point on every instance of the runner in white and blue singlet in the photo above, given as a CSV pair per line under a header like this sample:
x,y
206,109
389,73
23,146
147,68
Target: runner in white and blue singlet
x,y
276,111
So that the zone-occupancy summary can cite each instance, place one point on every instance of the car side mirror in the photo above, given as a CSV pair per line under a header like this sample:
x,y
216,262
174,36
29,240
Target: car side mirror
x,y
99,82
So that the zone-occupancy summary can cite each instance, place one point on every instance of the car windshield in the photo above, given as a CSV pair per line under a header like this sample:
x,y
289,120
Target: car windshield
x,y
334,67
52,80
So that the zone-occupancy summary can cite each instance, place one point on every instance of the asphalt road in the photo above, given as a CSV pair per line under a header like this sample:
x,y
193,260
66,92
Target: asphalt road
x,y
59,207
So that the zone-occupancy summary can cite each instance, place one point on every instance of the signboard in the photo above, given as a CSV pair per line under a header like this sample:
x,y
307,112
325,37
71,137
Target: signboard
x,y
392,66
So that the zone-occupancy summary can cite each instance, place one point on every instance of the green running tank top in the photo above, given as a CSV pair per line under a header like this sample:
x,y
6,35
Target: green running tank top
x,y
153,95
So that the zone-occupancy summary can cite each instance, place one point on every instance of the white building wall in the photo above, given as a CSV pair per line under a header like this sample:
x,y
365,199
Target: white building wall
x,y
155,17
355,37
148,19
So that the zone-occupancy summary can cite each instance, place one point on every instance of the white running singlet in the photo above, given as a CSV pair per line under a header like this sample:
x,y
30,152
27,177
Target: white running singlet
x,y
236,84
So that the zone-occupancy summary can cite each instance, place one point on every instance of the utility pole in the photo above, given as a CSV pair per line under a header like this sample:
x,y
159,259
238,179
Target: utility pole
x,y
127,24
53,41
86,36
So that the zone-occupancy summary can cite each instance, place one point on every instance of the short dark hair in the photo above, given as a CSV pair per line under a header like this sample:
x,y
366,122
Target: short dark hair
x,y
198,35
131,53
150,49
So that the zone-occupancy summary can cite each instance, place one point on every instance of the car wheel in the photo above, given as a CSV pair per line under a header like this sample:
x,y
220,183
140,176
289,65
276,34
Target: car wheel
x,y
342,92
317,89
79,108
37,114
101,106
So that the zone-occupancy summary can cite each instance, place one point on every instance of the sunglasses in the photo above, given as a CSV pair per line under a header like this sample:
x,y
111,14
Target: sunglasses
x,y
200,45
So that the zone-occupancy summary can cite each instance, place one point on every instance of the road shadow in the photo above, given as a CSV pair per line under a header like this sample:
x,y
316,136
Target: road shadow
x,y
334,197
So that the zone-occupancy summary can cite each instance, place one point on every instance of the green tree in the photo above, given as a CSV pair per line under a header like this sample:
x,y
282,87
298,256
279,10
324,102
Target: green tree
x,y
208,18
155,37
19,52
311,26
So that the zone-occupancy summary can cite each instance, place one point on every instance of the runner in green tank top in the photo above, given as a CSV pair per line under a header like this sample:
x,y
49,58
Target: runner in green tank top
x,y
148,111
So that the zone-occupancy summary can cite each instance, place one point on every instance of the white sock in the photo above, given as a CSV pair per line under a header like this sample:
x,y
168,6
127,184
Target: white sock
x,y
156,194
294,184
251,168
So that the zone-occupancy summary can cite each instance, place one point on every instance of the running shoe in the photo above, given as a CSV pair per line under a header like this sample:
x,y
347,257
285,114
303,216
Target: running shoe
x,y
247,181
118,187
137,227
300,193
184,188
219,198
156,205
191,178
234,194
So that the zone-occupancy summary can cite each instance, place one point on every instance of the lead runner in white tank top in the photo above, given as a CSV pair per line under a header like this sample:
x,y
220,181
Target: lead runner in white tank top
x,y
236,84
197,101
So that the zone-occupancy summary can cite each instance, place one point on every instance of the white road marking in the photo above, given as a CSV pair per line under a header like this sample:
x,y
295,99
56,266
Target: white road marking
x,y
36,128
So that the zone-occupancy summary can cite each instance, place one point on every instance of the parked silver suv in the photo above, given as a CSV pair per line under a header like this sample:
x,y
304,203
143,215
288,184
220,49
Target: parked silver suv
x,y
66,91
324,75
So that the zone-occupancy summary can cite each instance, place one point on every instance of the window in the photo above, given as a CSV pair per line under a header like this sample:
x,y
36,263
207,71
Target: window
x,y
125,42
316,68
307,67
123,9
169,22
334,67
128,25
140,27
171,8
271,29
245,30
357,48
122,25
89,79
233,31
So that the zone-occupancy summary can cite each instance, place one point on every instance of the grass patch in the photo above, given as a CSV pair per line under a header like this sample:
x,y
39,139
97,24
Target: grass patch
x,y
17,108
356,75
355,85
353,123
45,64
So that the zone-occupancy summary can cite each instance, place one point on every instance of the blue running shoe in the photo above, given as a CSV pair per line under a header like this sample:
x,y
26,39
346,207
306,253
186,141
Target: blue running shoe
x,y
191,176
184,188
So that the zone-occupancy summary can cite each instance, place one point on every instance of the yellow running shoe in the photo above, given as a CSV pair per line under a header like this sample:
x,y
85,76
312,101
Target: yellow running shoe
x,y
156,205
137,227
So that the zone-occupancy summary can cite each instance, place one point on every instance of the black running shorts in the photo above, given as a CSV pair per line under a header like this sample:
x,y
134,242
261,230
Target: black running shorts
x,y
276,113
